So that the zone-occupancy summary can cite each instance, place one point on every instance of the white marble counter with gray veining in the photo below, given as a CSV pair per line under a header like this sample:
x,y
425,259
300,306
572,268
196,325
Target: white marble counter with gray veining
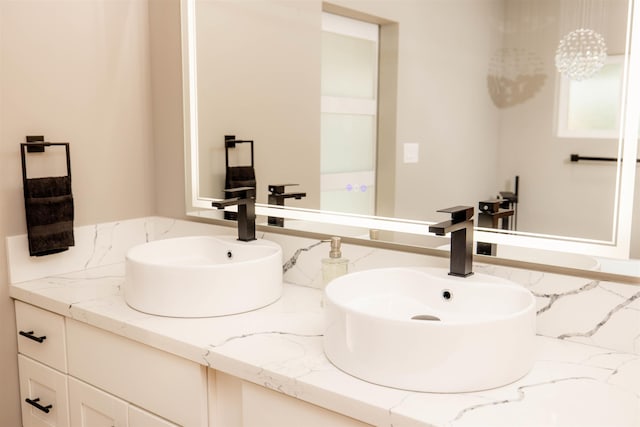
x,y
280,347
587,370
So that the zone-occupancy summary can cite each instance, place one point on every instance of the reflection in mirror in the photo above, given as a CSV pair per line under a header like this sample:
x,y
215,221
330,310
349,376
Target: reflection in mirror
x,y
588,108
469,97
349,107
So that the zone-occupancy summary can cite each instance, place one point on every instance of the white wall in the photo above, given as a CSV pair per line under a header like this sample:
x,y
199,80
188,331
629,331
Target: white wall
x,y
76,72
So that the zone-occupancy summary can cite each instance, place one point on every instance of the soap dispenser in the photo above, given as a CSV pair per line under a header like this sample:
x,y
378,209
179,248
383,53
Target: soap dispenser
x,y
335,265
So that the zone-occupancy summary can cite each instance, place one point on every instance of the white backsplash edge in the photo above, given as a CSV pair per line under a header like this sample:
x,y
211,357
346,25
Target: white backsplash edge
x,y
604,314
95,245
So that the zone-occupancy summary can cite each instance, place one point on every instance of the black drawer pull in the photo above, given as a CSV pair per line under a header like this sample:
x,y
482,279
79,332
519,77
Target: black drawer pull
x,y
35,403
29,334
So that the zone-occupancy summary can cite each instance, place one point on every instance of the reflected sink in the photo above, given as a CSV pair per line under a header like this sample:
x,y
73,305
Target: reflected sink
x,y
420,329
202,276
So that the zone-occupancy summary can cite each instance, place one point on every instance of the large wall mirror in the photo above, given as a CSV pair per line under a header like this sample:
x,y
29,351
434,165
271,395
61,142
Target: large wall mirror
x,y
442,103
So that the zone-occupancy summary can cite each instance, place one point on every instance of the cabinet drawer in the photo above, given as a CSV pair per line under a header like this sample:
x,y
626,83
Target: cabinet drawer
x,y
235,402
90,407
43,395
41,335
142,418
165,384
262,407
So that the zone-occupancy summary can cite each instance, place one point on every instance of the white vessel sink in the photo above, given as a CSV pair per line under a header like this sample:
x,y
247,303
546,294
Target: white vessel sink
x,y
423,330
202,276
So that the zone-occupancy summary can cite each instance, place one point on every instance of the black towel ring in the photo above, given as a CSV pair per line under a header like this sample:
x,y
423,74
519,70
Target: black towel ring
x,y
37,144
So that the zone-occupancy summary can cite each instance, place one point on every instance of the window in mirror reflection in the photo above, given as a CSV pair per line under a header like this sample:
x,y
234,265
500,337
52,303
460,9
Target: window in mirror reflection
x,y
349,81
591,108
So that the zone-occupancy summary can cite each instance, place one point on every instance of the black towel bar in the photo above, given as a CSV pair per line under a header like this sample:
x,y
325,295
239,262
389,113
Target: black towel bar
x,y
577,158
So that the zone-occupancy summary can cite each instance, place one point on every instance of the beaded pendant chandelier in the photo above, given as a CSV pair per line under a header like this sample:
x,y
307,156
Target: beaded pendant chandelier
x,y
582,52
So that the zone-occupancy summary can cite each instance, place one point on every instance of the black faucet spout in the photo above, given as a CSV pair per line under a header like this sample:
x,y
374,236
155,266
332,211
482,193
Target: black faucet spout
x,y
277,194
245,199
461,229
277,197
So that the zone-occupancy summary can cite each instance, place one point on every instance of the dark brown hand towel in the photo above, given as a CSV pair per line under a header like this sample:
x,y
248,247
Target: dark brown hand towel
x,y
49,211
240,176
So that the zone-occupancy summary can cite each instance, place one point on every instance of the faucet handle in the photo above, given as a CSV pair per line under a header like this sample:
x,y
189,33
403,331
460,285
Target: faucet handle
x,y
489,206
240,192
459,213
278,188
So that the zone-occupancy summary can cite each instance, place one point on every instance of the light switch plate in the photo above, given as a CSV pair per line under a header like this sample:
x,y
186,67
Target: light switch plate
x,y
411,152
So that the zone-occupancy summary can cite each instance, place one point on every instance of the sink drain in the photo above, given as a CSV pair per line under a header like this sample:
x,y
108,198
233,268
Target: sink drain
x,y
425,317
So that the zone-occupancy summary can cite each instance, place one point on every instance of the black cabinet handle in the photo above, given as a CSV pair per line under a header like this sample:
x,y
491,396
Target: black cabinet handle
x,y
29,334
35,403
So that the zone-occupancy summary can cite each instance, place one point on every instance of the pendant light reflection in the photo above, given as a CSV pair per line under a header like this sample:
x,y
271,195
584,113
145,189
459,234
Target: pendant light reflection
x,y
514,76
581,54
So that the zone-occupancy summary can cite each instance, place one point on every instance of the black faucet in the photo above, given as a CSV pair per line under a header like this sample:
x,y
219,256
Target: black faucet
x,y
276,197
245,199
461,228
492,215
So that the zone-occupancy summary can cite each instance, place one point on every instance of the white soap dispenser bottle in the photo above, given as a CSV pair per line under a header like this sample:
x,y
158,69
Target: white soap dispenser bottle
x,y
335,265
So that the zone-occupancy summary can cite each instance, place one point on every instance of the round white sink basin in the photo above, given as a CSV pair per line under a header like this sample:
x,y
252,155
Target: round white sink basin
x,y
202,276
423,330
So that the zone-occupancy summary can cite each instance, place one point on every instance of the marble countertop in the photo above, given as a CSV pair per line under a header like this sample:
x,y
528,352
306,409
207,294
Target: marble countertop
x,y
280,347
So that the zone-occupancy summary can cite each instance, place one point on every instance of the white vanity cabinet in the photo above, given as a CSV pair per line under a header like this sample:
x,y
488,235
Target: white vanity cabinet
x,y
75,375
92,407
41,335
162,383
43,394
42,365
234,402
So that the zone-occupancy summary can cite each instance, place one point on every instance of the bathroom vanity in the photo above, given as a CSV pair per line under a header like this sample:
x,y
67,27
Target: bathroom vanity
x,y
104,363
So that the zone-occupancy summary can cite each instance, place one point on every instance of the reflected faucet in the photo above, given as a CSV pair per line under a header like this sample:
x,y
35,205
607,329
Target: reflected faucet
x,y
492,215
461,228
245,199
276,197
